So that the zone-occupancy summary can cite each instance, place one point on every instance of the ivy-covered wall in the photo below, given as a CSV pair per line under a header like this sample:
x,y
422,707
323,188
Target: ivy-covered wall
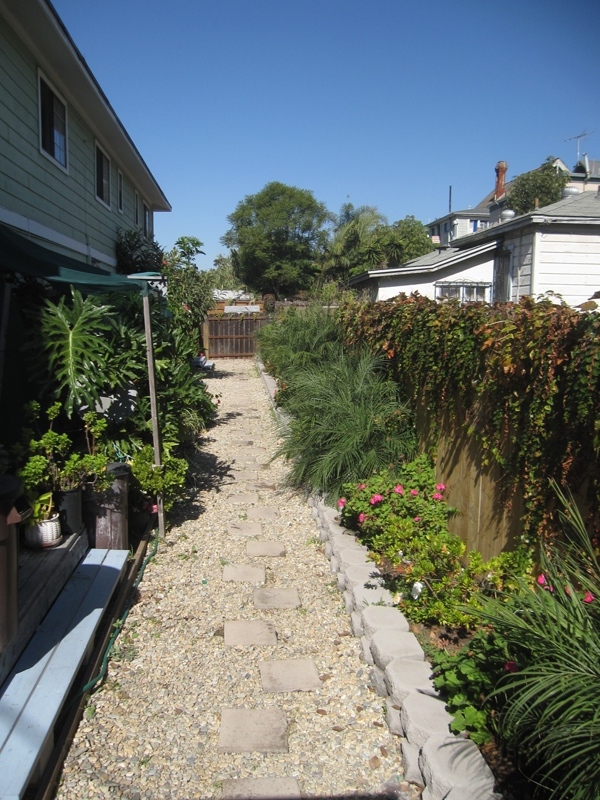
x,y
508,397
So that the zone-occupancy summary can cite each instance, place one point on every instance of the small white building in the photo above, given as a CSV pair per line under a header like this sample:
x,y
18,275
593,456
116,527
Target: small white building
x,y
552,249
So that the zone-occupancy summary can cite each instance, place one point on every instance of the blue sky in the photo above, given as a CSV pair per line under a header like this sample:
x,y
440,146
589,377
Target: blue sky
x,y
380,102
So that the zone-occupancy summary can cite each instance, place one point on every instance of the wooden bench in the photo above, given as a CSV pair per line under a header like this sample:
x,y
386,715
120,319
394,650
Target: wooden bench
x,y
36,689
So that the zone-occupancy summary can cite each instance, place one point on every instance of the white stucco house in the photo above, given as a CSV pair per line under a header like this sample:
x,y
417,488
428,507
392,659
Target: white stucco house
x,y
551,249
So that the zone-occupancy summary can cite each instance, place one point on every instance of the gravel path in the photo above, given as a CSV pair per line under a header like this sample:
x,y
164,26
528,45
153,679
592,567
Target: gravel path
x,y
152,730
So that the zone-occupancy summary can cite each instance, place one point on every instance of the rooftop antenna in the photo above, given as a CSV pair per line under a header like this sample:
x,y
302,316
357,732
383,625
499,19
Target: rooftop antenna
x,y
578,138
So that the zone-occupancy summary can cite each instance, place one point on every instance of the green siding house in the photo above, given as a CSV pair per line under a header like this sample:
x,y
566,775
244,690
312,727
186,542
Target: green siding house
x,y
70,175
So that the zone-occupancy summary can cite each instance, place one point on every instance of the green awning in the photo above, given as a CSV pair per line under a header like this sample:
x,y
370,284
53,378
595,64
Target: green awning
x,y
22,255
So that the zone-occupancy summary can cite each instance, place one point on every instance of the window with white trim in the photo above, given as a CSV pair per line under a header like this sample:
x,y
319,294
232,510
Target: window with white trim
x,y
102,176
136,209
146,220
120,191
464,291
53,124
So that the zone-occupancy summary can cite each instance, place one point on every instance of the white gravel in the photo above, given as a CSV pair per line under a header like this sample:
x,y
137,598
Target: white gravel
x,y
152,730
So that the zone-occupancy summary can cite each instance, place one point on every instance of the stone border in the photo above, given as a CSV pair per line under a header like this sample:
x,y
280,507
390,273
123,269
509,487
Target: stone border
x,y
449,767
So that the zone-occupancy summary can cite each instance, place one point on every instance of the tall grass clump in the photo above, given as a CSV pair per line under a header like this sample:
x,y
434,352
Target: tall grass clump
x,y
347,421
550,720
299,337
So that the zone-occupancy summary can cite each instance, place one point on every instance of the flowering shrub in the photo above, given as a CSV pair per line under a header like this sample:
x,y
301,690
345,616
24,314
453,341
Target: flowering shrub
x,y
467,678
403,519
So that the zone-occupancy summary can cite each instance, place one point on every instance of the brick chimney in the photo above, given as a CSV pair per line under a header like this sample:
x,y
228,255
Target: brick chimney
x,y
501,170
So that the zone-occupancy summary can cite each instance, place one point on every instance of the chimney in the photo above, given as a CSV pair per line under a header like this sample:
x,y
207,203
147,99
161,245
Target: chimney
x,y
501,170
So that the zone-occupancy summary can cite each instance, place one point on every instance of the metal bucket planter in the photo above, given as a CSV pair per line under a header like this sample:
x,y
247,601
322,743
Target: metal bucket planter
x,y
106,512
43,534
70,510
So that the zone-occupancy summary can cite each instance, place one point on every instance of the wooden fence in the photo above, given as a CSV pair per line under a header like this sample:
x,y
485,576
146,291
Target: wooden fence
x,y
231,335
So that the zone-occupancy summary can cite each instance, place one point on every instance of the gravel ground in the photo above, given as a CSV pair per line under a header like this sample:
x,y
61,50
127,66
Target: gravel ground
x,y
152,730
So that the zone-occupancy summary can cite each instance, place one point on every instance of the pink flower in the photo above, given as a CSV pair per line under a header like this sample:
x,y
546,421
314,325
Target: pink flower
x,y
441,487
511,666
363,486
588,597
417,519
154,509
414,492
377,498
437,496
541,579
341,502
399,489
361,517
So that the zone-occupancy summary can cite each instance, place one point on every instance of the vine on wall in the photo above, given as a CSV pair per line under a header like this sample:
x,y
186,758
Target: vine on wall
x,y
528,375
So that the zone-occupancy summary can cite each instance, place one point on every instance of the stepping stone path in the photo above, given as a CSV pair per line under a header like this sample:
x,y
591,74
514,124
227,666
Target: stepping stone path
x,y
246,680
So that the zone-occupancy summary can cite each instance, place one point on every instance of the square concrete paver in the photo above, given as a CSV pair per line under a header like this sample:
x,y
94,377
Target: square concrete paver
x,y
244,475
256,788
276,598
249,631
253,730
244,529
264,548
293,675
262,512
244,573
245,497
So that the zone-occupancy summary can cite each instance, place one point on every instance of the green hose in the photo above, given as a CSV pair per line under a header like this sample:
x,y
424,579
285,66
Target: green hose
x,y
118,625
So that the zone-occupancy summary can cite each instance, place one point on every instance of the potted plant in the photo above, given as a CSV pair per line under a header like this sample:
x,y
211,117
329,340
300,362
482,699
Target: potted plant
x,y
42,529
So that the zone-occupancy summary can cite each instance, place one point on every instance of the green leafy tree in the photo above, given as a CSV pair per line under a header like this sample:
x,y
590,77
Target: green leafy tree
x,y
354,229
364,241
189,290
136,253
276,237
540,187
224,276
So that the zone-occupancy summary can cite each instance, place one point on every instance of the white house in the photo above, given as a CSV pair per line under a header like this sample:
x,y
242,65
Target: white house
x,y
551,249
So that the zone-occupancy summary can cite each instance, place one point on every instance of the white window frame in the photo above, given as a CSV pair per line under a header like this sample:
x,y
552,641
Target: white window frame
x,y
146,222
100,198
445,290
120,190
136,209
46,153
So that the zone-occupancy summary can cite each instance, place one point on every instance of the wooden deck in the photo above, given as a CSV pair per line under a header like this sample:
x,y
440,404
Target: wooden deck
x,y
42,576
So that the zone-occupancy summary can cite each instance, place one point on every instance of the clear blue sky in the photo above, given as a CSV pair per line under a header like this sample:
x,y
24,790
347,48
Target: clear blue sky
x,y
380,102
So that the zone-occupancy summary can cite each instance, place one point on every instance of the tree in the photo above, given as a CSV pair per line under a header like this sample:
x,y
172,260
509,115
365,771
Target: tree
x,y
366,241
223,273
540,187
136,253
275,238
189,291
353,229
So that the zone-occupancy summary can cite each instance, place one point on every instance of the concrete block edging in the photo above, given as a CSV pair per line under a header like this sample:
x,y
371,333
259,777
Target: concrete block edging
x,y
423,720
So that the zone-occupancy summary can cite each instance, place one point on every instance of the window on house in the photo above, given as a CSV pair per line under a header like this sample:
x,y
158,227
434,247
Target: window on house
x,y
102,176
53,124
146,220
474,223
464,291
120,191
136,210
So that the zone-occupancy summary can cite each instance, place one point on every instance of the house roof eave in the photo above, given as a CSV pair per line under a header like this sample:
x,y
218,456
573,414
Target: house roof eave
x,y
37,23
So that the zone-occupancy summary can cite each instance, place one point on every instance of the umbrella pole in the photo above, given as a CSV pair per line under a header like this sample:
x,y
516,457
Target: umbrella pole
x,y
153,403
